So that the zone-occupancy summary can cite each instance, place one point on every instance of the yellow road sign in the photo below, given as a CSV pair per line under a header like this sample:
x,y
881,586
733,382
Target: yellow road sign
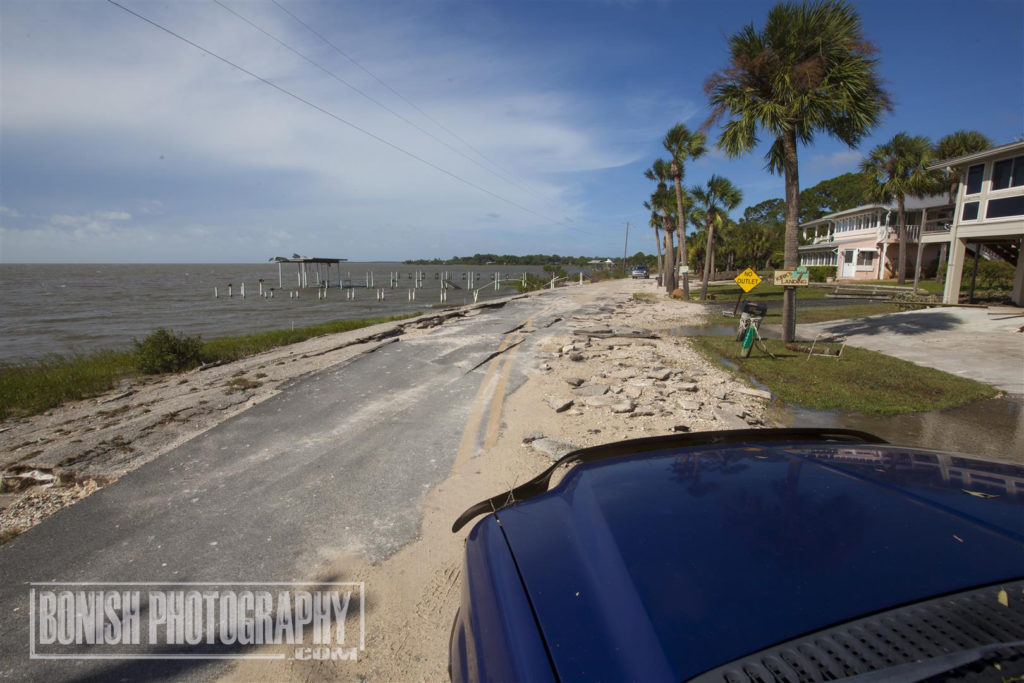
x,y
747,280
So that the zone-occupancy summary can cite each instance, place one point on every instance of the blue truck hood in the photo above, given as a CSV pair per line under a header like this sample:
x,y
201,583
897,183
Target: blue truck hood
x,y
666,564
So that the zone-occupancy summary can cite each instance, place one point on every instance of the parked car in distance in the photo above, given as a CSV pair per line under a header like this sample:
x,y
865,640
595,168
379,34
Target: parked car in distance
x,y
750,555
641,272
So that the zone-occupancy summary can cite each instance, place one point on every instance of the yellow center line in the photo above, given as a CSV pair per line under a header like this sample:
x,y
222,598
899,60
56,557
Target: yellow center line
x,y
472,428
471,431
498,402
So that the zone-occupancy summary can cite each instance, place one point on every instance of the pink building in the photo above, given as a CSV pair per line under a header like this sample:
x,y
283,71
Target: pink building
x,y
863,242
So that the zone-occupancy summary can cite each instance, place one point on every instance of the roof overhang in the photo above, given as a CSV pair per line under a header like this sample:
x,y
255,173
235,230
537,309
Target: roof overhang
x,y
978,156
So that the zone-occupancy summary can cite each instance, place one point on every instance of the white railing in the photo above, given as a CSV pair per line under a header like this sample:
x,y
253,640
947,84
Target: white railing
x,y
886,232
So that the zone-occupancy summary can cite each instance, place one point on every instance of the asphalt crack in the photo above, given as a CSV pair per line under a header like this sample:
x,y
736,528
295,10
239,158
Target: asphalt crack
x,y
495,355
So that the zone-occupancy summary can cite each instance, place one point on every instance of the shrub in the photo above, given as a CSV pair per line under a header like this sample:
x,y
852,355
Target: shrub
x,y
992,275
821,273
908,301
164,351
601,275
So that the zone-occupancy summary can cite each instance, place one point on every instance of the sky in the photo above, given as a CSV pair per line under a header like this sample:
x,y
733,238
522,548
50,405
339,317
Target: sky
x,y
384,130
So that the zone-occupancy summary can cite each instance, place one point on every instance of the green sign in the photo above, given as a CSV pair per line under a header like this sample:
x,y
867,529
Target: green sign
x,y
798,277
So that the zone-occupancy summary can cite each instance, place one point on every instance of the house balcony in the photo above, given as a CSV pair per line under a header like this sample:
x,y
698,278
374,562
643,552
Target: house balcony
x,y
891,233
937,231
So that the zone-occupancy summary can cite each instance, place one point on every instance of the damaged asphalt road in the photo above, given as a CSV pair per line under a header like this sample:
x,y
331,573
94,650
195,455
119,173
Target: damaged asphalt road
x,y
333,466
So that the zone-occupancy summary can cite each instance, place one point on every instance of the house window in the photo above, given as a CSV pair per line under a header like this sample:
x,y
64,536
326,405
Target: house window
x,y
970,212
1001,208
974,176
865,258
1008,173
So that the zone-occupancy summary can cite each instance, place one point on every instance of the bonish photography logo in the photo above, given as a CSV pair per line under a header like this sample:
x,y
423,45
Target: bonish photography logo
x,y
319,621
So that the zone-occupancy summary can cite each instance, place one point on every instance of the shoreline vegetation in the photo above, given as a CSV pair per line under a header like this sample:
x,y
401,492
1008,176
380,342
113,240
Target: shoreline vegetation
x,y
35,386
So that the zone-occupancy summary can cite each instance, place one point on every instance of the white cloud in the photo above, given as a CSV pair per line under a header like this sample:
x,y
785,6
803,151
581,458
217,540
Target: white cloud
x,y
86,226
206,144
842,160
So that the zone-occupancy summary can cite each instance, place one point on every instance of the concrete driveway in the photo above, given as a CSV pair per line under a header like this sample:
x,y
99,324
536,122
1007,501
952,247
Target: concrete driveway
x,y
981,344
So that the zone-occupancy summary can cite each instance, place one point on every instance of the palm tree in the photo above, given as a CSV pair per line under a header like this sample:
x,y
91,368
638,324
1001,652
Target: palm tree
x,y
898,168
957,145
713,203
659,171
809,70
683,146
656,223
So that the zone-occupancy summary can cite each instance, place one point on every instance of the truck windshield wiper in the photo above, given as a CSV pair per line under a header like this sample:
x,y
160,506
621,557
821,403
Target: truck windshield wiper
x,y
539,484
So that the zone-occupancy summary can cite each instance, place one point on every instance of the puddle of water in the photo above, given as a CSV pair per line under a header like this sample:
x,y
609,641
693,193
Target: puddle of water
x,y
703,331
990,429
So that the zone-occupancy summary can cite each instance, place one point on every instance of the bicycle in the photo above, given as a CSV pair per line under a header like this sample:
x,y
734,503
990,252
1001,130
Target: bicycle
x,y
747,333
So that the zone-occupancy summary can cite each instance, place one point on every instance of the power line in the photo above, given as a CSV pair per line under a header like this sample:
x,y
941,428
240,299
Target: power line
x,y
336,117
368,97
397,94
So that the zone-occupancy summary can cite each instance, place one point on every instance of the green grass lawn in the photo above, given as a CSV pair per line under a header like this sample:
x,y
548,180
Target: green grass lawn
x,y
930,286
860,381
820,314
38,385
816,314
763,291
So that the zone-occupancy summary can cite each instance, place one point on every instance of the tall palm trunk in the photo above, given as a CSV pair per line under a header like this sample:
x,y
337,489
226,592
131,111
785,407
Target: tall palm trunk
x,y
669,280
709,260
901,266
657,243
791,254
682,238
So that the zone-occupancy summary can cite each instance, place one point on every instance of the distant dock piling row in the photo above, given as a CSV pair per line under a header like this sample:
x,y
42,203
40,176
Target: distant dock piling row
x,y
324,274
313,274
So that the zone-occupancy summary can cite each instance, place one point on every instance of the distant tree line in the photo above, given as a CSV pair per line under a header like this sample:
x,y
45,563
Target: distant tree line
x,y
510,260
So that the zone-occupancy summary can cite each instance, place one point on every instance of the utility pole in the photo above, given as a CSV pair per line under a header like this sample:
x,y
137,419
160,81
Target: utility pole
x,y
625,248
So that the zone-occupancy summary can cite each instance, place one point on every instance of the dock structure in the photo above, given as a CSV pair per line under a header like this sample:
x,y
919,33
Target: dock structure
x,y
316,267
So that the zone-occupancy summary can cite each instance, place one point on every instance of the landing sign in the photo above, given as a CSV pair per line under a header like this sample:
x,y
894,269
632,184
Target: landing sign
x,y
800,277
747,280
